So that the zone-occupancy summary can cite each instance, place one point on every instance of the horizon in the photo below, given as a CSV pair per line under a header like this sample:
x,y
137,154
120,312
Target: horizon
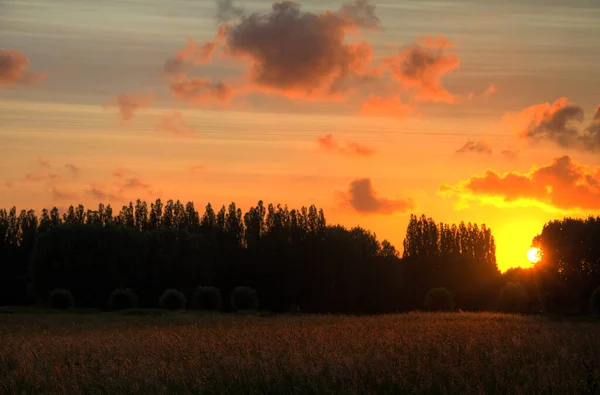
x,y
483,113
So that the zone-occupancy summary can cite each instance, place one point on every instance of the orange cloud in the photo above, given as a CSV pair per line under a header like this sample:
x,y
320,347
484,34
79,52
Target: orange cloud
x,y
563,184
128,104
194,53
302,53
490,90
197,169
328,143
198,90
361,197
14,69
422,66
174,123
479,147
386,107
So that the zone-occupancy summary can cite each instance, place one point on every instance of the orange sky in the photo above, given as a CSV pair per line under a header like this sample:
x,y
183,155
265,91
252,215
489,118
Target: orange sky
x,y
464,110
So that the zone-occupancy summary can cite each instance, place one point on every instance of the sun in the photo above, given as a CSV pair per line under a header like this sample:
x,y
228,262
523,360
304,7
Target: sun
x,y
534,255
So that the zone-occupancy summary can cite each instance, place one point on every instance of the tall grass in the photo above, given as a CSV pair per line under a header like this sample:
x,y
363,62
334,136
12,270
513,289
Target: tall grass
x,y
417,353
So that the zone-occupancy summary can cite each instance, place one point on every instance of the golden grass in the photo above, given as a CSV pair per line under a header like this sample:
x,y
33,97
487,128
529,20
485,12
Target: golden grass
x,y
417,353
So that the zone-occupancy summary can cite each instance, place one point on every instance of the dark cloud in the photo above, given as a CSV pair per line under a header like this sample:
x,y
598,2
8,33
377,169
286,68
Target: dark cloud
x,y
362,198
134,183
329,144
560,123
422,66
101,195
73,169
360,13
14,69
510,154
227,11
562,184
479,147
43,163
301,53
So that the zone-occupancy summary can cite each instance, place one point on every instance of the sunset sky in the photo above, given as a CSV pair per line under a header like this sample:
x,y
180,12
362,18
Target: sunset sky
x,y
464,110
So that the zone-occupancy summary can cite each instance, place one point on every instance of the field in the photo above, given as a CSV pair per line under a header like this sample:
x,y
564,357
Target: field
x,y
417,353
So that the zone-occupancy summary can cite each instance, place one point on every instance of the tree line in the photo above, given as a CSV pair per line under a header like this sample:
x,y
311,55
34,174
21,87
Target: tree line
x,y
291,257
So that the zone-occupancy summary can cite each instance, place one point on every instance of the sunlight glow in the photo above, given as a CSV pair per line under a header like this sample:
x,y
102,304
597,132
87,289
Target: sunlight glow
x,y
534,255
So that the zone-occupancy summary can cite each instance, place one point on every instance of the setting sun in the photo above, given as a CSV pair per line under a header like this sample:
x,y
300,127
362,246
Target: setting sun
x,y
534,255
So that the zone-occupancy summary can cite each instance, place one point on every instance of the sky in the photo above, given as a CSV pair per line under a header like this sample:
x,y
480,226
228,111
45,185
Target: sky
x,y
462,110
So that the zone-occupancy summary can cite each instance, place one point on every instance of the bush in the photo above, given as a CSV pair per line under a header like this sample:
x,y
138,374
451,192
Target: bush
x,y
207,298
122,298
172,300
244,298
61,299
513,299
595,302
439,299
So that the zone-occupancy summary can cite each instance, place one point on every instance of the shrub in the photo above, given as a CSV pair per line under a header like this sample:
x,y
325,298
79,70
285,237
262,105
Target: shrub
x,y
244,298
172,300
513,299
439,299
122,298
595,302
207,298
61,299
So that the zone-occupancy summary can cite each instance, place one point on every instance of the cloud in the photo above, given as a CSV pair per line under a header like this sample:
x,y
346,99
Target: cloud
x,y
73,169
62,195
386,107
14,69
101,195
490,90
563,185
360,13
362,198
421,67
329,144
35,177
510,154
43,163
174,124
199,90
194,53
479,147
303,54
128,104
134,183
197,169
560,123
226,11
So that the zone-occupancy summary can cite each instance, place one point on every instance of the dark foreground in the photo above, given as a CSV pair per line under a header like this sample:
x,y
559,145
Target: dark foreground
x,y
417,353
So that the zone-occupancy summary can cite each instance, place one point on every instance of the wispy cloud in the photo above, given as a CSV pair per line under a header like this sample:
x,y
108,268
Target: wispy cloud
x,y
329,144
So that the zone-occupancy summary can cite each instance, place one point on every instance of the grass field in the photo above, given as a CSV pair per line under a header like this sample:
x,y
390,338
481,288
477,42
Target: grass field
x,y
417,353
